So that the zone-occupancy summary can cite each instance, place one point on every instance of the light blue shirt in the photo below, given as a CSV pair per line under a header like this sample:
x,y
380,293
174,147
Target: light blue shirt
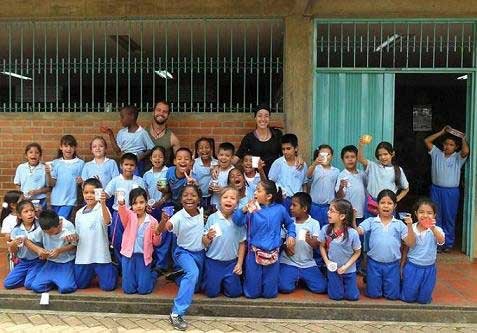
x,y
224,247
188,229
323,183
384,240
104,171
424,252
56,241
202,174
381,177
93,243
141,230
341,250
64,193
288,177
249,195
303,257
20,231
136,143
150,179
222,178
445,171
253,182
126,185
31,178
355,192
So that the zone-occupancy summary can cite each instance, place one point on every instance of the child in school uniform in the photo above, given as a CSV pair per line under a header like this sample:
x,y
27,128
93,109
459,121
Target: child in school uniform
x,y
322,179
30,177
340,248
252,175
141,234
153,179
8,216
92,253
225,249
29,265
419,273
58,249
236,180
285,171
300,265
178,175
203,163
188,226
384,254
445,171
64,175
219,179
264,217
100,167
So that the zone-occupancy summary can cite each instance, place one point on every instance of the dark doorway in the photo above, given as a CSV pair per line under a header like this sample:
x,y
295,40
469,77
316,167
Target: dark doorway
x,y
445,94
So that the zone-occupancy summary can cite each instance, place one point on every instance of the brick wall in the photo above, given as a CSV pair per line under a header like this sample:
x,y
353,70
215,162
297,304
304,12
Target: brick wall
x,y
17,130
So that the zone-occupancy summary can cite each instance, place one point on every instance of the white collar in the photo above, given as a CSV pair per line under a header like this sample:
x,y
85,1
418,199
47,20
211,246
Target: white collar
x,y
73,160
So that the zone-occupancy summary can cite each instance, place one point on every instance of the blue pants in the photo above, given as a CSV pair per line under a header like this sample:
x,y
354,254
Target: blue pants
x,y
137,277
53,274
320,213
219,275
115,232
447,201
107,275
311,276
64,211
418,283
162,253
383,279
259,280
23,274
342,286
192,263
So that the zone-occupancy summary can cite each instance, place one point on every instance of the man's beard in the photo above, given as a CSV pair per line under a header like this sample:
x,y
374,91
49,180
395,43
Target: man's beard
x,y
160,122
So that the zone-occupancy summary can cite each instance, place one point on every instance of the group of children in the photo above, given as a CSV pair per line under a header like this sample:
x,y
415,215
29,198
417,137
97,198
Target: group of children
x,y
223,228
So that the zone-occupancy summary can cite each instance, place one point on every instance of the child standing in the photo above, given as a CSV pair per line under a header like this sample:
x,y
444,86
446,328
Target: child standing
x,y
419,273
140,236
100,167
178,175
253,176
64,175
236,180
9,210
285,172
188,226
323,178
300,265
446,168
30,177
26,270
385,236
219,180
153,179
203,163
264,226
383,175
225,249
58,252
92,253
340,248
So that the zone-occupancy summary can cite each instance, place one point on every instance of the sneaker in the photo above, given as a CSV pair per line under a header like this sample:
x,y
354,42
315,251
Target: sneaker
x,y
178,322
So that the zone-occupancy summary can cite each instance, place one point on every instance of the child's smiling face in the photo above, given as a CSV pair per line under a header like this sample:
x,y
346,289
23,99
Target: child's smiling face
x,y
98,148
33,156
68,151
190,199
183,161
204,150
88,195
157,159
236,179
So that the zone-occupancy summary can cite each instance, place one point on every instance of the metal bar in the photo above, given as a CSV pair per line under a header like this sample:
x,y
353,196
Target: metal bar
x,y
167,60
10,67
380,42
462,47
271,61
434,48
105,66
244,68
204,102
178,71
33,67
57,69
407,46
92,67
367,46
141,66
217,70
420,48
45,66
129,63
341,45
117,69
81,69
191,69
328,47
69,67
231,69
258,66
153,64
354,44
447,49
21,68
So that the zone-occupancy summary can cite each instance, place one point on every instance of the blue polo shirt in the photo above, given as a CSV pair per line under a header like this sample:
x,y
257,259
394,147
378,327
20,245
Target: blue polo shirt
x,y
202,174
355,192
341,249
151,178
31,178
323,183
104,171
137,142
424,252
288,177
445,171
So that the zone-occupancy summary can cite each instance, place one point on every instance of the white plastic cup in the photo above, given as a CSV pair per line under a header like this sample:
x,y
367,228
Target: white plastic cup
x,y
151,202
22,237
36,203
218,231
332,266
403,215
302,234
97,194
255,160
121,195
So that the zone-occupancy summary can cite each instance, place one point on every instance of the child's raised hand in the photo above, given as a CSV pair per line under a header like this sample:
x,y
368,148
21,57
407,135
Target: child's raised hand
x,y
106,130
237,269
408,219
79,180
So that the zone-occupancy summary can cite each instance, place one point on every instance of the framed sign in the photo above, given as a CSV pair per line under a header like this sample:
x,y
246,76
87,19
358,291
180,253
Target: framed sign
x,y
422,118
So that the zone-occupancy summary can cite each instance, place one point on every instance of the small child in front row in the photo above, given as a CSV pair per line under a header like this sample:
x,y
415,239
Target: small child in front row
x,y
419,273
26,270
58,251
384,254
92,253
140,236
203,163
8,216
219,180
301,265
340,247
225,249
264,218
188,226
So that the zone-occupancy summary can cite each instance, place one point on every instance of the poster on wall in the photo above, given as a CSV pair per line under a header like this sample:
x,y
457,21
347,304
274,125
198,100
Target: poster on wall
x,y
422,118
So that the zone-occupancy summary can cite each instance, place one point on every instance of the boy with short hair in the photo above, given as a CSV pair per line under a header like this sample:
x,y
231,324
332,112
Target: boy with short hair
x,y
285,172
220,178
179,175
54,234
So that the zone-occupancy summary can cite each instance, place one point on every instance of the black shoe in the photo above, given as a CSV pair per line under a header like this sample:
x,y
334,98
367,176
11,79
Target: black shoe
x,y
159,271
172,276
446,250
439,249
178,322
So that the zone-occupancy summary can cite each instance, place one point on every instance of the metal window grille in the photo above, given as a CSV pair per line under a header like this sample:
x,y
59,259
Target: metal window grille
x,y
395,44
198,65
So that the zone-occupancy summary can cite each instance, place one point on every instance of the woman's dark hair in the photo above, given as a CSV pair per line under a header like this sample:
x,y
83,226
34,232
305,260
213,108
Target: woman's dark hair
x,y
271,188
67,140
211,142
135,193
387,193
33,145
304,199
261,107
11,197
22,204
345,207
389,148
424,201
